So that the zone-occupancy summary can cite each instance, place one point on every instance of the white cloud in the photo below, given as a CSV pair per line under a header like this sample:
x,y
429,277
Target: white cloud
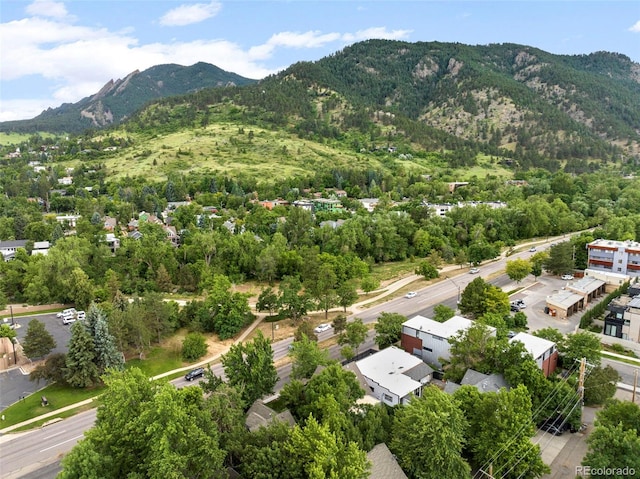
x,y
47,8
376,33
190,14
635,28
22,109
76,61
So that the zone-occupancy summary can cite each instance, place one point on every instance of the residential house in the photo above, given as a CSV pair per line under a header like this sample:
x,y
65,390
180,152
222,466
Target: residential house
x,y
9,248
112,241
483,382
622,257
333,224
325,204
384,464
40,247
393,376
110,223
544,352
304,204
260,415
68,220
429,339
623,317
65,180
172,235
369,204
271,204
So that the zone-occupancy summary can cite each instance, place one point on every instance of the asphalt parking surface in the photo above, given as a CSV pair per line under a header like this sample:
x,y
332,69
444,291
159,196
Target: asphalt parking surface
x,y
14,383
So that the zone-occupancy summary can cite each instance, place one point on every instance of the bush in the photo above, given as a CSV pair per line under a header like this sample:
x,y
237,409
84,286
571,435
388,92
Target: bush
x,y
194,347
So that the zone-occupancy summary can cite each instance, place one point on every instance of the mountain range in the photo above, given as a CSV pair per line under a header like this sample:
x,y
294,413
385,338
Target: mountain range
x,y
496,98
118,99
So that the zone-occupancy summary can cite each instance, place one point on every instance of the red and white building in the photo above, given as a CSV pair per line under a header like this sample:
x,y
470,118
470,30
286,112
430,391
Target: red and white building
x,y
621,257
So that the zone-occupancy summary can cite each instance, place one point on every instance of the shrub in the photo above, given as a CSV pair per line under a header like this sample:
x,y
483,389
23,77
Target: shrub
x,y
194,347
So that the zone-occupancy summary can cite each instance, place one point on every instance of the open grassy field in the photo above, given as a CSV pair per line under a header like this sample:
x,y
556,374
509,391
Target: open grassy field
x,y
229,148
17,138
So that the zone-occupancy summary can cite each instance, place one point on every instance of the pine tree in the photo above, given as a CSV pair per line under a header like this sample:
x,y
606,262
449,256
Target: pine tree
x,y
38,342
107,355
81,369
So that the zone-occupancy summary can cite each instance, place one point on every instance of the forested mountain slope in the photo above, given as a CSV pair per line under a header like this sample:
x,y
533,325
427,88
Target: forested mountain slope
x,y
118,99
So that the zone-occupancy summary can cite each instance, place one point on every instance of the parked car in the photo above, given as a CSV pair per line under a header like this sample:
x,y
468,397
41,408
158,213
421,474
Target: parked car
x,y
474,270
567,277
322,328
555,426
515,308
194,374
411,294
65,312
81,315
69,316
519,303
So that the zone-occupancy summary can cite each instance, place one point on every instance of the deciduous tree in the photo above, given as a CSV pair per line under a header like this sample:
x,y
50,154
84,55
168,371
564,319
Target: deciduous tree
x,y
429,423
388,329
354,334
249,366
518,269
306,356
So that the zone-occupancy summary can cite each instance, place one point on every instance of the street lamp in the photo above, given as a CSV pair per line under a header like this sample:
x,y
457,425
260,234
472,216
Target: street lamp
x,y
457,286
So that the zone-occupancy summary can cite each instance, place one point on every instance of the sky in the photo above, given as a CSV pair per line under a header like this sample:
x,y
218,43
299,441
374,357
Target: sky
x,y
54,52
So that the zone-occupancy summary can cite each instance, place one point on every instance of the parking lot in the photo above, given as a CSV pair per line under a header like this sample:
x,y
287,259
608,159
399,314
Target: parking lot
x,y
15,383
534,294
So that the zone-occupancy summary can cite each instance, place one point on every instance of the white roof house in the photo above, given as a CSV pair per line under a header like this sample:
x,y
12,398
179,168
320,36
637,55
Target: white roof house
x,y
429,339
445,330
533,344
544,352
394,375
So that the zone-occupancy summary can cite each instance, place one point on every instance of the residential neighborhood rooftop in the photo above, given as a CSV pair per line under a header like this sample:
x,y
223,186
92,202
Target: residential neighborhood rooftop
x,y
391,369
449,328
533,344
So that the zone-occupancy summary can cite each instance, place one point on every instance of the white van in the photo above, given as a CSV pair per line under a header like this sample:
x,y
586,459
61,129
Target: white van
x,y
69,316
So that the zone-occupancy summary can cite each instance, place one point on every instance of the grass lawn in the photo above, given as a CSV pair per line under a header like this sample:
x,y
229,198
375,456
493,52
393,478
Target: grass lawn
x,y
396,270
158,360
58,397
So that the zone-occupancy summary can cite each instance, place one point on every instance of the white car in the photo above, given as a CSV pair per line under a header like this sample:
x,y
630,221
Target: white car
x,y
321,328
81,315
567,277
532,249
411,294
474,270
68,315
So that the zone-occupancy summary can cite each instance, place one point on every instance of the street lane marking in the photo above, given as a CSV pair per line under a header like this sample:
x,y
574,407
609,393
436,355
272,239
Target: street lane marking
x,y
61,443
56,434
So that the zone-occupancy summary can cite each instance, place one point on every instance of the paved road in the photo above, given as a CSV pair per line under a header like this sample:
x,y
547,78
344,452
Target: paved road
x,y
42,448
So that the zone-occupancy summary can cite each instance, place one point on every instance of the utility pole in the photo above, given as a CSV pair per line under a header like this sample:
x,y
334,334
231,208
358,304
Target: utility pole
x,y
583,364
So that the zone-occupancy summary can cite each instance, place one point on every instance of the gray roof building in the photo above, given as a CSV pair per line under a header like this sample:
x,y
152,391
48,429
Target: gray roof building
x,y
384,464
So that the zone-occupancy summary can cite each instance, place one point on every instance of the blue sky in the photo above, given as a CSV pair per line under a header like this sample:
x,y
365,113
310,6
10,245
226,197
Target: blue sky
x,y
52,52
